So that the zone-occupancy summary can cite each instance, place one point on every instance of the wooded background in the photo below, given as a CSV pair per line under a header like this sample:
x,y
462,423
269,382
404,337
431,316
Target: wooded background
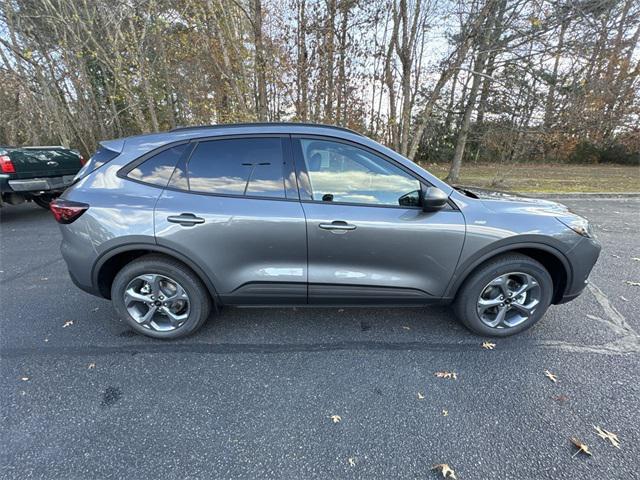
x,y
500,81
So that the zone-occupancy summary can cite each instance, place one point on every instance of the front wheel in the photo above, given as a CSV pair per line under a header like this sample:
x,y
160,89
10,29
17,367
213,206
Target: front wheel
x,y
504,296
160,297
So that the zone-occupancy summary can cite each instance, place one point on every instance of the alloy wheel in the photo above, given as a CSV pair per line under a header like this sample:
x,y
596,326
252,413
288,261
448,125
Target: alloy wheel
x,y
157,302
509,300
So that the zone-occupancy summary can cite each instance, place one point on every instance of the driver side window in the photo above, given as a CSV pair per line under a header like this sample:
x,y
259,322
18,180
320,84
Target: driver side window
x,y
339,172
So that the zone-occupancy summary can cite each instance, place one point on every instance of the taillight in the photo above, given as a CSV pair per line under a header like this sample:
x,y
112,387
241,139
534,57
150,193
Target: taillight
x,y
6,165
66,211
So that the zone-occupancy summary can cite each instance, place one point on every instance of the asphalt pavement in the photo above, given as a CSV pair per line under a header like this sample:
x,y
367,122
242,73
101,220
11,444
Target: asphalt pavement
x,y
252,394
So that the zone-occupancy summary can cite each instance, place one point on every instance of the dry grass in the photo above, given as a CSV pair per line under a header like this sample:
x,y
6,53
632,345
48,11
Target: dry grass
x,y
551,178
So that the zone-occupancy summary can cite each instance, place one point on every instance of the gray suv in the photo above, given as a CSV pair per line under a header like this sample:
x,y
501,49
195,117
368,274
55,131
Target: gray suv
x,y
170,225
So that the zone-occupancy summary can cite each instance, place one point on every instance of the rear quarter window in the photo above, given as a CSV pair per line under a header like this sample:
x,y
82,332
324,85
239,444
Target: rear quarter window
x,y
158,169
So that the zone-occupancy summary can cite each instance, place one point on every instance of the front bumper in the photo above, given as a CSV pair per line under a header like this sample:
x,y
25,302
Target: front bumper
x,y
582,258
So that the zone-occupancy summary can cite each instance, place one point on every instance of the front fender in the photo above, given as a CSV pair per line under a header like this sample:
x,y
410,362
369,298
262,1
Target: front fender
x,y
534,242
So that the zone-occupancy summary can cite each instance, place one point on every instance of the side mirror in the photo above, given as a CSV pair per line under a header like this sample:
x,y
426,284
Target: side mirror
x,y
433,199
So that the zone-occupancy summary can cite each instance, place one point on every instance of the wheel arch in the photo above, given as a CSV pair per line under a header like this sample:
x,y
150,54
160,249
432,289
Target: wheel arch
x,y
554,261
112,261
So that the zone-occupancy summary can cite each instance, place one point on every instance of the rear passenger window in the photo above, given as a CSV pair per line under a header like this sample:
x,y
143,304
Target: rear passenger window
x,y
157,170
243,166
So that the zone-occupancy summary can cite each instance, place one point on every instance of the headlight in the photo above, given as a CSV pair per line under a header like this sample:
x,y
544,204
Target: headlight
x,y
579,225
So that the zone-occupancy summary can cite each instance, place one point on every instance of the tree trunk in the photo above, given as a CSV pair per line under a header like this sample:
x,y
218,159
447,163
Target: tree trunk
x,y
260,66
302,67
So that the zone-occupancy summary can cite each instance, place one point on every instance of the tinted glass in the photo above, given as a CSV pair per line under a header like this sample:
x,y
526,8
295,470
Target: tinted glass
x,y
343,173
247,166
158,169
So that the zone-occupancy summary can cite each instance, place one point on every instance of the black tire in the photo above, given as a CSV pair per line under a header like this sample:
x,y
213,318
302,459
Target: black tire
x,y
465,305
199,298
43,201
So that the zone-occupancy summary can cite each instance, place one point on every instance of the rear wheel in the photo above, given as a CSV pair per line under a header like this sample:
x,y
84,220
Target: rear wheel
x,y
160,297
504,296
44,200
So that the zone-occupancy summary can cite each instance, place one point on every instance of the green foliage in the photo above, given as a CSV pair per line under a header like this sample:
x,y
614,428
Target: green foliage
x,y
617,152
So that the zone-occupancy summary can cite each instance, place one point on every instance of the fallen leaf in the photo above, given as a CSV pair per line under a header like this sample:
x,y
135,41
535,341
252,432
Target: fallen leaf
x,y
352,462
605,435
633,284
582,448
449,375
560,398
44,279
46,340
24,379
615,256
68,323
91,365
550,376
406,328
336,418
624,299
420,396
635,259
446,470
445,413
95,309
488,345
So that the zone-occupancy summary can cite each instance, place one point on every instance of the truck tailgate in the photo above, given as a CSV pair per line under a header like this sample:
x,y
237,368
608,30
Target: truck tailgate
x,y
46,162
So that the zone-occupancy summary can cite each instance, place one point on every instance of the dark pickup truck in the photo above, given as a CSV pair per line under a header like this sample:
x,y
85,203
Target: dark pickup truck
x,y
36,173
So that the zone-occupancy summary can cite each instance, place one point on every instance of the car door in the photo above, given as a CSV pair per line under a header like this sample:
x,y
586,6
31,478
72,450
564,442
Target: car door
x,y
230,207
369,241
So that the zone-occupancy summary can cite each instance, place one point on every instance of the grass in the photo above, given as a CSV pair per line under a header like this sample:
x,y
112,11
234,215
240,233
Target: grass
x,y
548,178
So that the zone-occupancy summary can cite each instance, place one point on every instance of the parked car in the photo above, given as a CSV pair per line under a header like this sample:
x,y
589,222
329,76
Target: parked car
x,y
39,174
169,225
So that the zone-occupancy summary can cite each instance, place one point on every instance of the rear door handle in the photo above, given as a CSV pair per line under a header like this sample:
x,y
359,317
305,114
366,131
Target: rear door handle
x,y
337,225
185,219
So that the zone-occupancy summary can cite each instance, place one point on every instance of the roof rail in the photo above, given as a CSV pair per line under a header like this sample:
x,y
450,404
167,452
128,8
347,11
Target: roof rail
x,y
265,124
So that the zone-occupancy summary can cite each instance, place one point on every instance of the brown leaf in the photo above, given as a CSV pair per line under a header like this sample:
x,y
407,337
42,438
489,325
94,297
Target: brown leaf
x,y
448,375
605,435
582,447
446,470
560,398
68,323
550,376
420,396
336,418
488,345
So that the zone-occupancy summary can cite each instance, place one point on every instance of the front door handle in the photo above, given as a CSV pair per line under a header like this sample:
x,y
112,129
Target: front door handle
x,y
337,225
185,219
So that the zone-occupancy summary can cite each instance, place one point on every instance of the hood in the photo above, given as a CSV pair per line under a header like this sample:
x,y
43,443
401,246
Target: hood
x,y
501,201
